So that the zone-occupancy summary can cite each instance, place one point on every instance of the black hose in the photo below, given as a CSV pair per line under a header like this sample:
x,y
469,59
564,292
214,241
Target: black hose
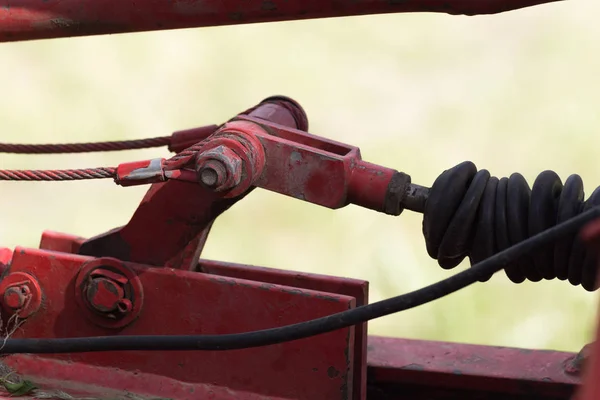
x,y
304,329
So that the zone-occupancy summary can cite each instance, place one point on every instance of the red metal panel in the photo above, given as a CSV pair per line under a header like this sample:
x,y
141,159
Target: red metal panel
x,y
184,302
38,19
83,380
350,287
483,369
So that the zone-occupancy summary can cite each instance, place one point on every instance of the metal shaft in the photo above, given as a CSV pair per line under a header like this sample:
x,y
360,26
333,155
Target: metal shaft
x,y
415,198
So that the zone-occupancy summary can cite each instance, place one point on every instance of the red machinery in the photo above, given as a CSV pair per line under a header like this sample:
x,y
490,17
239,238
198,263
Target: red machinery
x,y
136,313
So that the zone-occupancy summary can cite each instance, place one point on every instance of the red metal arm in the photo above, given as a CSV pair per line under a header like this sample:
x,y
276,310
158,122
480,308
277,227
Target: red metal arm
x,y
43,19
264,147
70,288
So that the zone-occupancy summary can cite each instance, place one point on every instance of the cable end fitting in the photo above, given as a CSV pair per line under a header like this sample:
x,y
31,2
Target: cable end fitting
x,y
141,172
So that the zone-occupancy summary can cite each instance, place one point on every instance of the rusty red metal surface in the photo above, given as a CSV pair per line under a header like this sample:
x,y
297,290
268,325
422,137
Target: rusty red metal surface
x,y
359,290
409,369
195,186
41,19
147,278
183,302
171,225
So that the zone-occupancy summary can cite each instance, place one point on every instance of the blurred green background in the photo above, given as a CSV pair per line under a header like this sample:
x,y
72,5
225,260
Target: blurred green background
x,y
417,92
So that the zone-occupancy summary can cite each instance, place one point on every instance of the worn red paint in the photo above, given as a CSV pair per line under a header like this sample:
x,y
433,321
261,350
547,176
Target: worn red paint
x,y
350,287
255,149
29,299
237,147
319,170
40,19
140,172
180,302
468,371
171,224
109,293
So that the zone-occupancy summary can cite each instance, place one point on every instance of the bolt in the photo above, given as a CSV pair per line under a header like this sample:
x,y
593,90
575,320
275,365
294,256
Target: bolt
x,y
107,296
219,169
16,297
213,174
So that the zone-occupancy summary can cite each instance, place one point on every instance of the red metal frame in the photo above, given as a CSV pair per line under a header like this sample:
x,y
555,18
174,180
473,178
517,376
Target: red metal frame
x,y
147,278
110,285
182,302
42,19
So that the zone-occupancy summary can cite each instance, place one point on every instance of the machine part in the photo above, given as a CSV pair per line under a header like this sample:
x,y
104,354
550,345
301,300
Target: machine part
x,y
315,327
180,302
109,293
469,213
350,287
401,369
42,19
171,225
21,294
281,110
219,169
236,152
140,172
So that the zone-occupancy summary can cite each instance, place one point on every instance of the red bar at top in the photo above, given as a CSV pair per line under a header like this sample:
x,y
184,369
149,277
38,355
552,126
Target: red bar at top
x,y
44,19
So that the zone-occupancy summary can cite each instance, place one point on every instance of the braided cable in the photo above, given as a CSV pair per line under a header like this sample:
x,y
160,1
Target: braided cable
x,y
85,147
182,158
57,175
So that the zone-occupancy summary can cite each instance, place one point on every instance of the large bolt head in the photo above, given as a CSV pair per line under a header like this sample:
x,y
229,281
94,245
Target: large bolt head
x,y
104,295
15,297
219,168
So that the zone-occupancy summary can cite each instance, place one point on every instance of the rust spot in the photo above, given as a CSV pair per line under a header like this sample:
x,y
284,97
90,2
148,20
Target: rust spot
x,y
266,286
414,367
332,372
296,292
344,390
224,281
296,156
327,298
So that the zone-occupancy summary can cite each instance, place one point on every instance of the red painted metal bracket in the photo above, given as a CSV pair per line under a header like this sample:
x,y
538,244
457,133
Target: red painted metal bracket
x,y
223,298
226,297
266,147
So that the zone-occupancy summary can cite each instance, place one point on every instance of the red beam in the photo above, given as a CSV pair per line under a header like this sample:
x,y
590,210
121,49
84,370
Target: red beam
x,y
401,368
44,19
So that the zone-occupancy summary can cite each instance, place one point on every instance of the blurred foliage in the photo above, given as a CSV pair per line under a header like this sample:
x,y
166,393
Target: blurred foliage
x,y
417,92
